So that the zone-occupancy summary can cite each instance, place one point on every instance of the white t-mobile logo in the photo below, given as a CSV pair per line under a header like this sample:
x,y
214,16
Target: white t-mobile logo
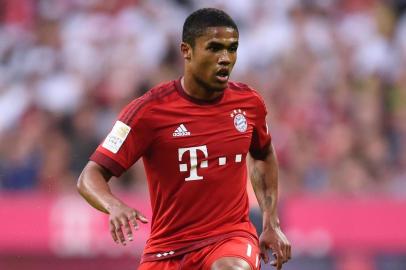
x,y
193,161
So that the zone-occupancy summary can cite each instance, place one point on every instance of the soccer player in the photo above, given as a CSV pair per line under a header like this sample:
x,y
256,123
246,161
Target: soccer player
x,y
194,135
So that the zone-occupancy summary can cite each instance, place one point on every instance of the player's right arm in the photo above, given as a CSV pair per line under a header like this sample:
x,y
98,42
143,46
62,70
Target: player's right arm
x,y
93,186
123,146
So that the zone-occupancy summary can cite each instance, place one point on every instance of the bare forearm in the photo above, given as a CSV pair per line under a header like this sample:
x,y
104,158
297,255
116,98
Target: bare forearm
x,y
92,185
264,179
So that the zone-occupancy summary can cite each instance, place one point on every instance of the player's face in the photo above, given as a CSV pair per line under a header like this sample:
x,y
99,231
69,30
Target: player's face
x,y
213,57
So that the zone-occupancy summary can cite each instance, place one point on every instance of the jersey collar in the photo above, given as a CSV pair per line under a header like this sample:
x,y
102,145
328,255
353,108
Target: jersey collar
x,y
183,94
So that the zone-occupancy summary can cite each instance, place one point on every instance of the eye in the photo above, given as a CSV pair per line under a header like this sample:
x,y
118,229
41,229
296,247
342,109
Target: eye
x,y
214,48
233,49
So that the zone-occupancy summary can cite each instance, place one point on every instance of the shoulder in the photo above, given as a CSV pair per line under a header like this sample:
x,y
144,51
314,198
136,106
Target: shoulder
x,y
160,91
141,105
239,86
248,91
157,94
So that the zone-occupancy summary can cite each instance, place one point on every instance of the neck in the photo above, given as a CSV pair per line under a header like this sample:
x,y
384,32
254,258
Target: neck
x,y
197,90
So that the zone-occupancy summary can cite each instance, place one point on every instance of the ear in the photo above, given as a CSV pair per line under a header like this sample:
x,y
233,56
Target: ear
x,y
186,50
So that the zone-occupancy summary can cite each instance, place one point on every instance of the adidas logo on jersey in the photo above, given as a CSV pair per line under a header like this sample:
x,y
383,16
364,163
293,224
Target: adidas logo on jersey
x,y
181,131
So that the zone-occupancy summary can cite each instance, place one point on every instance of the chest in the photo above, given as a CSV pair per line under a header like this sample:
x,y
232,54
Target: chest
x,y
216,134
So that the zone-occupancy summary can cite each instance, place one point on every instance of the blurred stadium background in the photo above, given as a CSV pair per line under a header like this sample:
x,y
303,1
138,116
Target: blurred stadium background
x,y
333,74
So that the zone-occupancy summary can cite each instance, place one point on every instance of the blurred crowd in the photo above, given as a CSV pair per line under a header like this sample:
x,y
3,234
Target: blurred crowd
x,y
333,75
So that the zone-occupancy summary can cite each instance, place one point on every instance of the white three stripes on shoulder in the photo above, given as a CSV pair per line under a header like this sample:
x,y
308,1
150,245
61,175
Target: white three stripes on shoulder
x,y
249,250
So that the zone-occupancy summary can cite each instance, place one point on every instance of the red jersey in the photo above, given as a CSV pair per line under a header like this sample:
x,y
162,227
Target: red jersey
x,y
194,155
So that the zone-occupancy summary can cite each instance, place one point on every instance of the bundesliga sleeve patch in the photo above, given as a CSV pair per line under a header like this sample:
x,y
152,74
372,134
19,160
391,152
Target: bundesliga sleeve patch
x,y
116,137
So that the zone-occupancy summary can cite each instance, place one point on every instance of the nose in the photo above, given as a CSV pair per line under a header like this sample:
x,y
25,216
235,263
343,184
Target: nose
x,y
224,58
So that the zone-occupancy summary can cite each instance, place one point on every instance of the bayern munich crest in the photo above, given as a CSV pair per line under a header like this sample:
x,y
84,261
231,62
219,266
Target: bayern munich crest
x,y
240,122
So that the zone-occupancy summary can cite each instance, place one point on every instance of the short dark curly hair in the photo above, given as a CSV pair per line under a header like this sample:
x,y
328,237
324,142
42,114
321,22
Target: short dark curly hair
x,y
196,23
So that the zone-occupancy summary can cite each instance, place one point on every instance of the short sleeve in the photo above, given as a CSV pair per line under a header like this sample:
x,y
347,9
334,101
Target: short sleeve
x,y
127,141
261,138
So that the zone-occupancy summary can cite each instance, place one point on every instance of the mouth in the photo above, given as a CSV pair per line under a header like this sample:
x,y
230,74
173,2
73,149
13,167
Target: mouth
x,y
222,75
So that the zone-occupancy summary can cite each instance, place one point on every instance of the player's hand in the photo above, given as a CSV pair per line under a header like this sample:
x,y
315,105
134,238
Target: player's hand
x,y
275,240
122,220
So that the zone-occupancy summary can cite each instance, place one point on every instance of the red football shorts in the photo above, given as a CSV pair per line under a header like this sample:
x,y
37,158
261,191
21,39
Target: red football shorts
x,y
202,259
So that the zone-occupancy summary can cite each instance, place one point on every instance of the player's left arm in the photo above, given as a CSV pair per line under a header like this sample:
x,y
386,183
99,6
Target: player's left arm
x,y
264,178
